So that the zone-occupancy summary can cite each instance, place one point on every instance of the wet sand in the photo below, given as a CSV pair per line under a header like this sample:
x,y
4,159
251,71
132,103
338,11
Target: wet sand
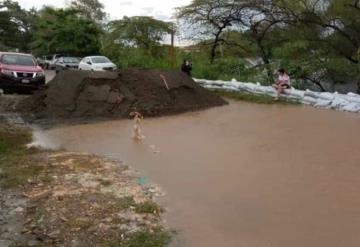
x,y
245,174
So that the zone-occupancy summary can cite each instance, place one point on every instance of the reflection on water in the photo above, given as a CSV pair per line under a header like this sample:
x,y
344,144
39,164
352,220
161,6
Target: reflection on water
x,y
244,174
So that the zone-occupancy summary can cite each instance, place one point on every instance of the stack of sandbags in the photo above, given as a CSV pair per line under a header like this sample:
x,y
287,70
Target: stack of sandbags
x,y
344,102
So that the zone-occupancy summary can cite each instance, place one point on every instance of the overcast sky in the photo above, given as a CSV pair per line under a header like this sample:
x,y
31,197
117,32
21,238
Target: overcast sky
x,y
160,9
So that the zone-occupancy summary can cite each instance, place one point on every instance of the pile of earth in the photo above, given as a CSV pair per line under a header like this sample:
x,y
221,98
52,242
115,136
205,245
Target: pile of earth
x,y
82,94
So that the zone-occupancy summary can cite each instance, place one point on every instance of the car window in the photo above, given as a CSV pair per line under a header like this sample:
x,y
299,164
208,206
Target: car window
x,y
70,60
15,59
100,60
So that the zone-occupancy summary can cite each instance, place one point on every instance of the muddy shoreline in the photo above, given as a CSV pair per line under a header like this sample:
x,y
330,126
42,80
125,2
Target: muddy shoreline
x,y
42,191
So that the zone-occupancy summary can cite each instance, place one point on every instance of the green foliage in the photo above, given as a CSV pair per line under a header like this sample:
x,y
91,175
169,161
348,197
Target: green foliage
x,y
138,31
15,26
63,31
145,239
316,41
13,162
89,9
135,42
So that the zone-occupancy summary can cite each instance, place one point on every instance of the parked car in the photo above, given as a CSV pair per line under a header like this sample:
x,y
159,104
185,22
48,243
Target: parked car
x,y
49,60
97,63
20,71
40,61
63,63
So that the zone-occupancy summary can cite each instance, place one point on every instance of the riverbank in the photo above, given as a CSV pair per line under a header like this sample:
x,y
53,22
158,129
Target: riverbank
x,y
58,198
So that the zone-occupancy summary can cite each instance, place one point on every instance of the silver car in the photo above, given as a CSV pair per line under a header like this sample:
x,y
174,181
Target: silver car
x,y
64,63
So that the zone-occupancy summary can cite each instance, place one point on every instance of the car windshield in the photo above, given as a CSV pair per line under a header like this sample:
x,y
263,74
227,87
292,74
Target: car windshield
x,y
71,60
100,60
14,59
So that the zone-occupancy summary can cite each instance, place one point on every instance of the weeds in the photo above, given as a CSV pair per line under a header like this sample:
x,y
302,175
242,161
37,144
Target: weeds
x,y
148,207
15,165
145,239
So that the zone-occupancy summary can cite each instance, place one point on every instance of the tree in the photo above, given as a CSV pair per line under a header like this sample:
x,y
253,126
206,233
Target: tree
x,y
210,19
63,31
215,18
15,25
338,22
133,40
90,9
140,31
317,39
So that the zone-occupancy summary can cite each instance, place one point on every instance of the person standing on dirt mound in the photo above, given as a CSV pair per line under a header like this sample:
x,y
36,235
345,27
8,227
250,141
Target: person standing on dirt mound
x,y
186,67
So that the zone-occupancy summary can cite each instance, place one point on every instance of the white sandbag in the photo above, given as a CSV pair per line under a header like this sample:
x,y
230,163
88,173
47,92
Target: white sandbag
x,y
308,100
216,83
213,87
260,89
353,99
326,96
321,103
249,87
296,93
338,102
269,90
353,95
311,94
352,107
233,84
229,88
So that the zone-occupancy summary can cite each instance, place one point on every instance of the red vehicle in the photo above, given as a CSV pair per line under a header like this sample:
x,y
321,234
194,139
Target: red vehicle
x,y
20,72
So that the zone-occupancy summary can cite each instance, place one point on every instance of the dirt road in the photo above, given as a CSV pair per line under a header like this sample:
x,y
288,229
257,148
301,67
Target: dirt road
x,y
244,174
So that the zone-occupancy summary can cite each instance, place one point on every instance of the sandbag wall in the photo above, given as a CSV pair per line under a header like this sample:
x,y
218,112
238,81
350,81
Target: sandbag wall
x,y
343,102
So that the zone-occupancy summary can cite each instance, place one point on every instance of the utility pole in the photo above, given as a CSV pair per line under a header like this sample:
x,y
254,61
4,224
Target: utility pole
x,y
172,46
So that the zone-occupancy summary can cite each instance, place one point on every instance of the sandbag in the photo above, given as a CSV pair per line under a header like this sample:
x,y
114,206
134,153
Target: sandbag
x,y
311,94
308,100
338,102
326,96
320,103
352,107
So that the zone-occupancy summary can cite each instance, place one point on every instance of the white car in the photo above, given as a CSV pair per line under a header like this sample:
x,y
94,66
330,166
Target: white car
x,y
97,63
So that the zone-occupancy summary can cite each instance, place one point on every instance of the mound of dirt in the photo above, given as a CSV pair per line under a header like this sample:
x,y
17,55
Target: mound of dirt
x,y
81,94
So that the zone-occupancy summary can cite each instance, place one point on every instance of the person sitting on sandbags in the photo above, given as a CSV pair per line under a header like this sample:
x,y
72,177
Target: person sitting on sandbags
x,y
282,83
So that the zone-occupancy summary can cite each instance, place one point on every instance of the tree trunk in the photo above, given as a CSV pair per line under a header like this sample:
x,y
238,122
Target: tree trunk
x,y
317,83
215,45
266,61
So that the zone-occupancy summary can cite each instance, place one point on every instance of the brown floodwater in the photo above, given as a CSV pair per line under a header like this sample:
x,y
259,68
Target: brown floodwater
x,y
243,175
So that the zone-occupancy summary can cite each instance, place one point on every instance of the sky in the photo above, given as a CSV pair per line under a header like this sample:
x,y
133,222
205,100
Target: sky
x,y
159,9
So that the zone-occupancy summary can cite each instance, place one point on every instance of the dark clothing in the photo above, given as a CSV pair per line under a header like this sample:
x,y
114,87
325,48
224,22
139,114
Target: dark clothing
x,y
186,68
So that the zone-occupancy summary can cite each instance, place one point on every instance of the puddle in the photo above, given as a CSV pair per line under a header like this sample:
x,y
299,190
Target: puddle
x,y
244,174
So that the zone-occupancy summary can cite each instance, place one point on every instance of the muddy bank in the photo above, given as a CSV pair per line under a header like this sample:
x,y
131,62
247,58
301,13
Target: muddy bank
x,y
56,198
88,95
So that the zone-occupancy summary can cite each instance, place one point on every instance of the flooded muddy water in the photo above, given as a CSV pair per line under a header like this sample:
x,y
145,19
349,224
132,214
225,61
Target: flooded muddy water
x,y
244,174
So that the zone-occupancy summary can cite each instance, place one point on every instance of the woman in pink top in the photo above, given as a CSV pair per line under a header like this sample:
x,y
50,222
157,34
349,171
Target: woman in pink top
x,y
282,83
